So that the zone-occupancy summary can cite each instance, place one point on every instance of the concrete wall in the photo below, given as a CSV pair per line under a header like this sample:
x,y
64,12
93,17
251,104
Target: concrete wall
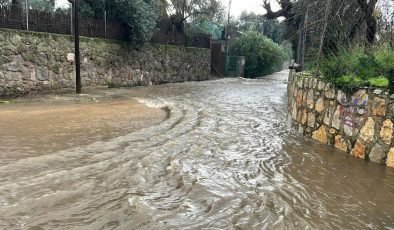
x,y
359,123
33,62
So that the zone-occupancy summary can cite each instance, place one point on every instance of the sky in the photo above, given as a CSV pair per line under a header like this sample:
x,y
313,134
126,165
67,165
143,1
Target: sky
x,y
255,6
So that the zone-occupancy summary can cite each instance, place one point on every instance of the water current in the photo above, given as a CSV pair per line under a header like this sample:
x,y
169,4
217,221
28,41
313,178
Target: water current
x,y
216,155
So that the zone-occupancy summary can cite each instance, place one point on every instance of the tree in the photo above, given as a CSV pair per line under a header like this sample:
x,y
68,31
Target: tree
x,y
263,56
184,9
42,5
368,7
139,15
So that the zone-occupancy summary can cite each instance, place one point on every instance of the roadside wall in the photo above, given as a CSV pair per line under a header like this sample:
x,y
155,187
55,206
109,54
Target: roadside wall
x,y
358,123
32,62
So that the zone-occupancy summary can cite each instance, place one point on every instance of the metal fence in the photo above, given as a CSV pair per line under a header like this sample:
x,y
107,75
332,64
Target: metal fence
x,y
61,23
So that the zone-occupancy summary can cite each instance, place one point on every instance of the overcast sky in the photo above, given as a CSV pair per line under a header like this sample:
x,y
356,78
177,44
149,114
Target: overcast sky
x,y
256,6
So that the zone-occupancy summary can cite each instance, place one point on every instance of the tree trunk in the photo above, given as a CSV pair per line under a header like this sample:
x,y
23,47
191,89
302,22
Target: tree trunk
x,y
371,29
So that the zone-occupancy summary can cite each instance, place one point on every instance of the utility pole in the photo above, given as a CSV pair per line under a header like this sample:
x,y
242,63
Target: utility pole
x,y
227,37
326,15
77,52
27,14
304,38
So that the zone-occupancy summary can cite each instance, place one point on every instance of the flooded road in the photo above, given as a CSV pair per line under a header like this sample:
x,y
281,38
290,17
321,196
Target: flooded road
x,y
218,156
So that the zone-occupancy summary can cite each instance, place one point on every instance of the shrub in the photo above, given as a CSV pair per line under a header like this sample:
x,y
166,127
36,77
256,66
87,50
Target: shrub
x,y
355,67
263,56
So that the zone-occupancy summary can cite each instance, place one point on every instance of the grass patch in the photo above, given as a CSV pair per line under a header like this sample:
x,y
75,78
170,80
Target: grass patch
x,y
380,82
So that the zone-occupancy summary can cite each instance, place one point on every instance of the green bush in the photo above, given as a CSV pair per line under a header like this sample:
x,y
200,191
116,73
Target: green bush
x,y
263,56
356,67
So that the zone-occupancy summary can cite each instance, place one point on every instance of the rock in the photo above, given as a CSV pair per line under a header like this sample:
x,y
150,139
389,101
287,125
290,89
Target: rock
x,y
379,107
42,74
360,98
377,91
71,57
294,111
336,118
300,130
330,92
321,85
16,39
348,126
358,150
320,135
368,130
304,118
386,132
342,98
315,83
299,98
304,97
377,154
306,82
319,107
341,143
300,82
310,99
328,117
311,120
299,116
390,158
310,83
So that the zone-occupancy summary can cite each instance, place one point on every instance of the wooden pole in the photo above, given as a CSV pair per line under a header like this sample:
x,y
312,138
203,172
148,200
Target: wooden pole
x,y
304,30
327,13
77,52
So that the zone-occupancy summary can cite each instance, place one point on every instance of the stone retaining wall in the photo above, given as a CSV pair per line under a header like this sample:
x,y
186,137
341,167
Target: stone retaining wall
x,y
37,62
358,123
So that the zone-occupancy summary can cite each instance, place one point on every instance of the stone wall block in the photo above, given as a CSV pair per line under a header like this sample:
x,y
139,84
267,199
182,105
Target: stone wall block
x,y
294,110
319,106
329,92
321,135
377,154
299,98
300,82
342,98
367,132
358,150
360,98
310,101
306,82
336,118
321,85
390,158
386,132
379,106
310,83
311,120
315,81
328,116
341,143
304,118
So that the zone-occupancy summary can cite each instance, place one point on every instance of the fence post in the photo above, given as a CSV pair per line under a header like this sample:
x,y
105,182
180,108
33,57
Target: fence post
x,y
105,24
71,19
27,14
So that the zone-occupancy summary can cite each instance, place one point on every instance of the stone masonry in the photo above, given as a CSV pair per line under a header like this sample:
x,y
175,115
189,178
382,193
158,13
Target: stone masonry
x,y
358,123
33,62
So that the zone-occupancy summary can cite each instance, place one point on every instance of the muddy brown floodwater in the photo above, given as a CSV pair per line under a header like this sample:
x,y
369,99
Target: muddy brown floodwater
x,y
219,155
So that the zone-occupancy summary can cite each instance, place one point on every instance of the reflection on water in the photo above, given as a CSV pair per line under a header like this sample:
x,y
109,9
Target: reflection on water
x,y
222,159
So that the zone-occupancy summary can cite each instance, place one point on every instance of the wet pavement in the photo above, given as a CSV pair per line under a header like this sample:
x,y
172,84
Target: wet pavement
x,y
216,155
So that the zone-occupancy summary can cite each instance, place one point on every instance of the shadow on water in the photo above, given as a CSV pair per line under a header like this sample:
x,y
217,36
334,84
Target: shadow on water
x,y
223,158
